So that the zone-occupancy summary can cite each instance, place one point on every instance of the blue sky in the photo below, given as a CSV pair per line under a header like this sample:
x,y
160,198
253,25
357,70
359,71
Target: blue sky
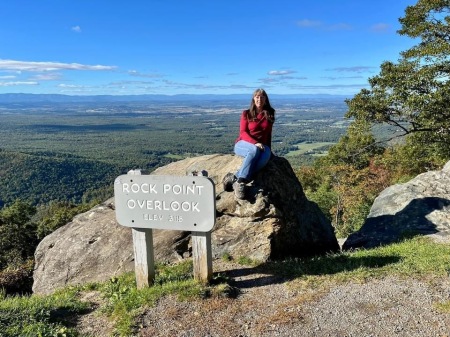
x,y
96,47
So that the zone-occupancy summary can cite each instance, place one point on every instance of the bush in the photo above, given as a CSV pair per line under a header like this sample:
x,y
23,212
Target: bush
x,y
17,280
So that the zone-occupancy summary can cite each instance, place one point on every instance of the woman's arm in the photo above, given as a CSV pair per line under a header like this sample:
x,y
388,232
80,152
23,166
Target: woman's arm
x,y
244,133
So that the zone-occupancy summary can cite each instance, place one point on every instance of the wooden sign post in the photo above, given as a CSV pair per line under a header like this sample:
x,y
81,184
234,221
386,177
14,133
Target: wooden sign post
x,y
202,255
144,265
187,203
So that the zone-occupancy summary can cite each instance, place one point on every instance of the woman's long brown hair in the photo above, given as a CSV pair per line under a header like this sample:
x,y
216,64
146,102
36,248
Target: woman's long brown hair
x,y
268,111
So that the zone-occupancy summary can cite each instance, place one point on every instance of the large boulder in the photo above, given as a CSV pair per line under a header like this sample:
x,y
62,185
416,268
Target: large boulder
x,y
274,221
418,207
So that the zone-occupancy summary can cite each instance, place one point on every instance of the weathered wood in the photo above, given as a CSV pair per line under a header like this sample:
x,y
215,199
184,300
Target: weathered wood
x,y
144,264
202,256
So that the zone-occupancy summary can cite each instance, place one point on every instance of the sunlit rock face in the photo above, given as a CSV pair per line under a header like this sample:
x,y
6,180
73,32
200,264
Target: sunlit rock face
x,y
418,207
274,221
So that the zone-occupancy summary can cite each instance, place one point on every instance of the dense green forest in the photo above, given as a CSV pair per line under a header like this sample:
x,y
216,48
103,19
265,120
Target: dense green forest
x,y
41,178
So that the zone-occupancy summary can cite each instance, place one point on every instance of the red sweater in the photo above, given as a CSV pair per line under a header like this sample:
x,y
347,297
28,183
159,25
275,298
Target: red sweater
x,y
256,131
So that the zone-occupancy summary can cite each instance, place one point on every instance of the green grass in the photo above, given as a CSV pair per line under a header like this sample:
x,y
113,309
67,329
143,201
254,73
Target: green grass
x,y
419,258
48,315
310,147
39,316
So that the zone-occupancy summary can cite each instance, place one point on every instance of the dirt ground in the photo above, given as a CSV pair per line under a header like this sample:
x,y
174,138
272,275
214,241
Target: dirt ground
x,y
269,306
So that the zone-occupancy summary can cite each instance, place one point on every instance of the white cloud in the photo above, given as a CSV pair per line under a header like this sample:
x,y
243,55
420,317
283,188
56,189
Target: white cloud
x,y
280,72
280,76
76,29
71,86
139,74
10,84
48,66
46,77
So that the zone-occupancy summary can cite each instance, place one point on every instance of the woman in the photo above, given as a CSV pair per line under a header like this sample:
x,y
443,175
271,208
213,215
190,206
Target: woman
x,y
254,142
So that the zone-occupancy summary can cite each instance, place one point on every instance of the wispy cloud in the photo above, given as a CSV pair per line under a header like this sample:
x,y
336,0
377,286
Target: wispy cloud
x,y
197,86
9,65
71,86
278,76
334,78
147,75
76,29
125,83
355,69
314,24
281,72
10,84
328,88
46,77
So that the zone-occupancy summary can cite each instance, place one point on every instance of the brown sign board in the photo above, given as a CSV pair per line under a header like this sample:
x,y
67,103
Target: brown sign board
x,y
165,202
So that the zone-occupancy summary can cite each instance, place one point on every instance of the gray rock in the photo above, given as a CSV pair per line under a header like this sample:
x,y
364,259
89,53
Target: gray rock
x,y
93,247
418,207
275,221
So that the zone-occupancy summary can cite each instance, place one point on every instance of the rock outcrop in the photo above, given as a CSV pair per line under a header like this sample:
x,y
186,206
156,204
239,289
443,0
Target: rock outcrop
x,y
275,221
418,207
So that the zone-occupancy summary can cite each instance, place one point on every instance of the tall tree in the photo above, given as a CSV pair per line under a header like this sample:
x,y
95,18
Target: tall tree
x,y
413,95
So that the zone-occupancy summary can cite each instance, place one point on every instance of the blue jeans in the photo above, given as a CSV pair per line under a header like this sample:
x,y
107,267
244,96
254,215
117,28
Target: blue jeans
x,y
254,158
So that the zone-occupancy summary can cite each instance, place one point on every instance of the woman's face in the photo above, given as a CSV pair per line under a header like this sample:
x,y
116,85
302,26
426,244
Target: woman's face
x,y
259,100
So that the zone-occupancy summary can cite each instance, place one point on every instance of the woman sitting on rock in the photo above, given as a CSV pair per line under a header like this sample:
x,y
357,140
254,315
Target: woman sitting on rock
x,y
254,142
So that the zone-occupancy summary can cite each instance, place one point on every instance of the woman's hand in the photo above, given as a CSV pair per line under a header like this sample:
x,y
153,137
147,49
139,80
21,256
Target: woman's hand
x,y
260,146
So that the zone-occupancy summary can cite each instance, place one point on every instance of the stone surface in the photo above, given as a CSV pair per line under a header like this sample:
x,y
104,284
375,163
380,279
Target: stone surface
x,y
274,221
418,207
93,247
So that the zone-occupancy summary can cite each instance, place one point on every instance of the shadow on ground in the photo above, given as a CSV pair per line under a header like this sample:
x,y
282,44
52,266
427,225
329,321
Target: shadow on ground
x,y
282,271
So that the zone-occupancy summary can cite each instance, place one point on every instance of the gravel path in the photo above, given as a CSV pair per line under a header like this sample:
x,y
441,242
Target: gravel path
x,y
268,307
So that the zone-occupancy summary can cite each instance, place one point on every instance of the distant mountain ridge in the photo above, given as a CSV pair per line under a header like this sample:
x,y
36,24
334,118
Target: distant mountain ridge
x,y
58,98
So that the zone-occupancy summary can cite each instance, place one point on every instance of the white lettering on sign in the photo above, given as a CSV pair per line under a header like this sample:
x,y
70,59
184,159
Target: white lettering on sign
x,y
166,188
182,189
137,188
153,217
166,202
159,205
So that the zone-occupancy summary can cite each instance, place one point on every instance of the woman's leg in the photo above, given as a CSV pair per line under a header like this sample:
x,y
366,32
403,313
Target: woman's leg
x,y
251,155
263,159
